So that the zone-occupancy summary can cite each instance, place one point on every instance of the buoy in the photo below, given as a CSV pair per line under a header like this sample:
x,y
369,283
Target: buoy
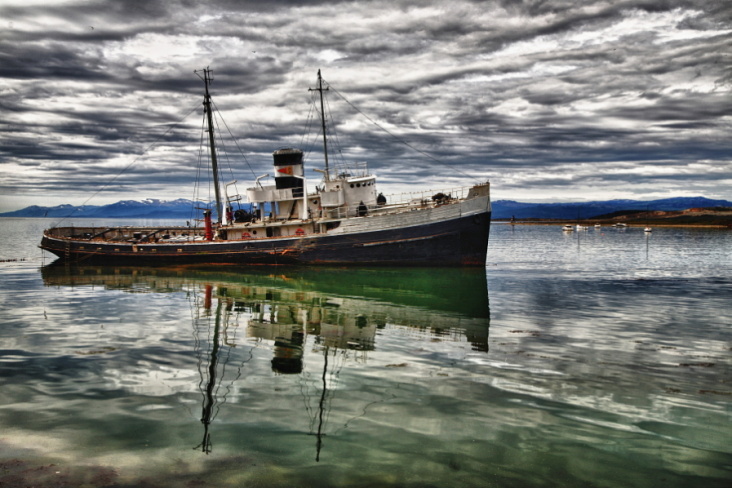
x,y
299,232
246,235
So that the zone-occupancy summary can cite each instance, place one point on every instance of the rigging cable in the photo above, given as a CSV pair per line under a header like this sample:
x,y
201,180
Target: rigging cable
x,y
222,151
336,141
236,143
106,185
393,135
310,144
196,185
233,139
308,124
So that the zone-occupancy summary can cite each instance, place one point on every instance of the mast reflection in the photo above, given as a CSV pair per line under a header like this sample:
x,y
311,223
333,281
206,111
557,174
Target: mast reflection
x,y
213,351
208,394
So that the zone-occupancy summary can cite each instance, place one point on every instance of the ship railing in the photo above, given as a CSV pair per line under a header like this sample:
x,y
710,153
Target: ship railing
x,y
126,233
350,170
400,202
455,193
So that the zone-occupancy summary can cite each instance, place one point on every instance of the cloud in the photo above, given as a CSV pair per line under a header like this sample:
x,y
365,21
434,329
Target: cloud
x,y
547,99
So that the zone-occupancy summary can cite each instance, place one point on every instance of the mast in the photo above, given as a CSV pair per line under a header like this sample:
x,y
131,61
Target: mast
x,y
322,121
207,78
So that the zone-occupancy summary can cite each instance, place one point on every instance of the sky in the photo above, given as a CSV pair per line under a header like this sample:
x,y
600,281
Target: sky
x,y
549,100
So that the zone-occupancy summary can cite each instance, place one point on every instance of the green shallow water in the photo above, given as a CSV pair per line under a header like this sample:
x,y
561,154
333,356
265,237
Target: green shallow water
x,y
592,359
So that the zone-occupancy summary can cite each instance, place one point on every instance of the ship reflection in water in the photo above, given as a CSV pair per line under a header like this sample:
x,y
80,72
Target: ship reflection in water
x,y
334,315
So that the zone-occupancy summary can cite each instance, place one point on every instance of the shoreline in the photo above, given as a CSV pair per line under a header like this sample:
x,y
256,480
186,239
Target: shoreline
x,y
591,224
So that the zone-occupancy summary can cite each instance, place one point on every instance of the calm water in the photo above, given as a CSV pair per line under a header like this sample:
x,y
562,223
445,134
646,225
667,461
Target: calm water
x,y
598,359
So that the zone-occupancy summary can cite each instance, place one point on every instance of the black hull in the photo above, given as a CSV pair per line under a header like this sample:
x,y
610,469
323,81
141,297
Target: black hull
x,y
457,242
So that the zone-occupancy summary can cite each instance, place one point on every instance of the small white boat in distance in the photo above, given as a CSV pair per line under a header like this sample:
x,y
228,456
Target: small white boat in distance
x,y
647,229
567,228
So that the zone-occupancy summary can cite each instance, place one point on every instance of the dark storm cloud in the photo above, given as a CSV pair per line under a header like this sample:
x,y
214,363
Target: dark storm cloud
x,y
548,98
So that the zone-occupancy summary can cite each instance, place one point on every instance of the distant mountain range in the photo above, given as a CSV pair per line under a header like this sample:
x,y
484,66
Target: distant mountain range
x,y
502,209
127,209
506,209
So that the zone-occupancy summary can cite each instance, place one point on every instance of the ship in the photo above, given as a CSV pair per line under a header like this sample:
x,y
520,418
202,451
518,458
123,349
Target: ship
x,y
344,221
